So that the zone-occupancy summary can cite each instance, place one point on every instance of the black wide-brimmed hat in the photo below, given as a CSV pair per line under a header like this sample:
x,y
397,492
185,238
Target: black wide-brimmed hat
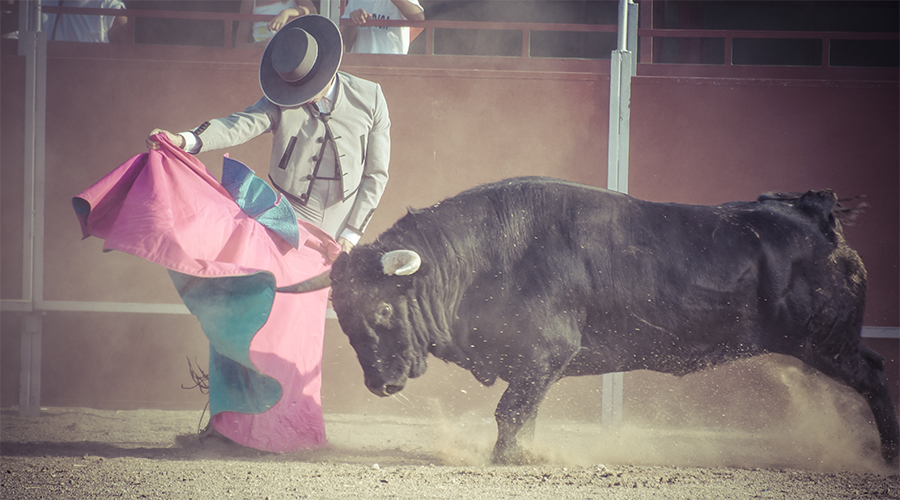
x,y
300,60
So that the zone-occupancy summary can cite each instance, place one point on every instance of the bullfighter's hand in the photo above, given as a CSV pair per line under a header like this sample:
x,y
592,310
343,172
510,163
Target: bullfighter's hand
x,y
345,244
175,139
360,16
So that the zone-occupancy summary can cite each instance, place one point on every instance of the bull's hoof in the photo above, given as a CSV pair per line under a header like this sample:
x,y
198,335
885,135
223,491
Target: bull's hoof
x,y
515,456
892,460
891,453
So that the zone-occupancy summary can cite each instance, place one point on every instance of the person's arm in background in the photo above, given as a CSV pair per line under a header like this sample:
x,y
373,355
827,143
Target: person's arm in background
x,y
348,33
310,8
244,39
410,11
119,31
304,8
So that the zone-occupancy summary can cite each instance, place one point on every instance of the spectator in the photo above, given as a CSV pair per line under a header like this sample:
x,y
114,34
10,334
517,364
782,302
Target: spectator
x,y
362,39
258,33
83,28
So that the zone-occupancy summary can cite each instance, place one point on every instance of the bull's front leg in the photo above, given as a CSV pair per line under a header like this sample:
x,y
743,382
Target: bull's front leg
x,y
516,414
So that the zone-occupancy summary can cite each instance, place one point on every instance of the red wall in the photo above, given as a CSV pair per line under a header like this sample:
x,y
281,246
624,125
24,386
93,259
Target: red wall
x,y
712,140
456,123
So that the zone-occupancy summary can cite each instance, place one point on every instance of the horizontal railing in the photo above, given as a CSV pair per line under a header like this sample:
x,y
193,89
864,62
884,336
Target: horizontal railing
x,y
525,28
729,36
646,35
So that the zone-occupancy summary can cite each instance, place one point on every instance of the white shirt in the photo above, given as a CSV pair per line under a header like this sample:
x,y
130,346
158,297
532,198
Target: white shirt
x,y
261,31
78,28
377,39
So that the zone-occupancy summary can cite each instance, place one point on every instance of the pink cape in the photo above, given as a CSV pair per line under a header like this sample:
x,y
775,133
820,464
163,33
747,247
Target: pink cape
x,y
164,206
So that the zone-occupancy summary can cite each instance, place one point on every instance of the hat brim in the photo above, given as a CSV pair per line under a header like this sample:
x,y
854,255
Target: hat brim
x,y
331,48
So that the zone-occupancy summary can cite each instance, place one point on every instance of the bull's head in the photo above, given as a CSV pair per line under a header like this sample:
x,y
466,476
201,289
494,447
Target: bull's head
x,y
375,303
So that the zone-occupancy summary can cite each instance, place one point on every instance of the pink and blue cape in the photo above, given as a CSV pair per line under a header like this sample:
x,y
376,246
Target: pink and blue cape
x,y
227,246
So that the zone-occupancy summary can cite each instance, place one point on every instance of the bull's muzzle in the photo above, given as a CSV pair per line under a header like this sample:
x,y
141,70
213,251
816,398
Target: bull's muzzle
x,y
385,390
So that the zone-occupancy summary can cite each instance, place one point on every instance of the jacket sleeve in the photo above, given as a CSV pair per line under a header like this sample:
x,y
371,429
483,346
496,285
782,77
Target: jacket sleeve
x,y
238,128
375,171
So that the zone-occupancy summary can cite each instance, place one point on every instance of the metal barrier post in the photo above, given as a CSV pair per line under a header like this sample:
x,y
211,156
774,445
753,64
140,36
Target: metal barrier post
x,y
622,67
35,52
30,371
331,9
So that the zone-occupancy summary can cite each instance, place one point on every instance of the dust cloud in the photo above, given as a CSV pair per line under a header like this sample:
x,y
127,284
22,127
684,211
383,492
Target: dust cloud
x,y
803,420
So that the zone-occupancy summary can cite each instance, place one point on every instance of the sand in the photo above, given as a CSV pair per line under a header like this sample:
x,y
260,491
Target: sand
x,y
80,453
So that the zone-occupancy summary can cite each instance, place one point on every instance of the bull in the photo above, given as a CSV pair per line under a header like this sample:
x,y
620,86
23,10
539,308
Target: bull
x,y
533,279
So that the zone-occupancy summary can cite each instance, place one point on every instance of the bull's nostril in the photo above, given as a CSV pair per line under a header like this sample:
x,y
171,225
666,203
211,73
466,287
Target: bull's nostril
x,y
392,389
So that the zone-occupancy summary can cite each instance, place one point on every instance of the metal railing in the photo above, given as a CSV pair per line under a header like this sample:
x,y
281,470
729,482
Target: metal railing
x,y
647,36
729,36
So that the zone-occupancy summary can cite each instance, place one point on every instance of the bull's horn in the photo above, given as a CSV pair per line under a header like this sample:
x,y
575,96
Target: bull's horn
x,y
315,283
400,262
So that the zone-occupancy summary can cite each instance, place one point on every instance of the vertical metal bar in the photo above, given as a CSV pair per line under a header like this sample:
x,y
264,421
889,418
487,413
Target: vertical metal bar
x,y
28,40
729,50
30,370
526,43
611,412
331,9
35,47
226,37
624,119
619,119
35,116
826,52
622,38
40,117
622,66
632,42
29,20
429,41
31,43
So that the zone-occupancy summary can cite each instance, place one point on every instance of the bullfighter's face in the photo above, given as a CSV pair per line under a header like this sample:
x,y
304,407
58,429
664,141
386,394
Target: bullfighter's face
x,y
375,311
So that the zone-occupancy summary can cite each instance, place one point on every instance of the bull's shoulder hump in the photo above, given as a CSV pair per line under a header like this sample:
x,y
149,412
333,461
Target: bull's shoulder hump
x,y
536,182
546,186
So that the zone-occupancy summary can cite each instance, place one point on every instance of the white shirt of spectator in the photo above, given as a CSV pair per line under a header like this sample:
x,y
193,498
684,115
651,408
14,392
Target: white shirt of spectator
x,y
79,28
261,31
376,39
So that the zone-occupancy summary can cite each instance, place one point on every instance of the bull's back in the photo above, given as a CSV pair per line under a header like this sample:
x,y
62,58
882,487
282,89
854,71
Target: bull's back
x,y
676,288
668,287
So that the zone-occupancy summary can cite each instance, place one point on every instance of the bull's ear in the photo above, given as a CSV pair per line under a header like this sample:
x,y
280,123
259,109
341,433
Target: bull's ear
x,y
400,262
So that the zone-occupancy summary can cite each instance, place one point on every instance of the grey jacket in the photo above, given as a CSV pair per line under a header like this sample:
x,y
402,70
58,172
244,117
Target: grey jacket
x,y
361,129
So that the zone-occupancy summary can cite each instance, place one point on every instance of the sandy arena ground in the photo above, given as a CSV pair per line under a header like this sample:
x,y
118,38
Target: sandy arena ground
x,y
78,453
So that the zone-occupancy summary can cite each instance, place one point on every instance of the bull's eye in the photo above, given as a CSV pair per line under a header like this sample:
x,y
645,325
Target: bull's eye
x,y
383,314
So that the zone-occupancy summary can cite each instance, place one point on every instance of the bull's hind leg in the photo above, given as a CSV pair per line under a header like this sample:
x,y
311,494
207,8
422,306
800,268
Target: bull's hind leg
x,y
865,374
874,389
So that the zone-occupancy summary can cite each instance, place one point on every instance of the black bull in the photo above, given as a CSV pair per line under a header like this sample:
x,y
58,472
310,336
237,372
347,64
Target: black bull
x,y
531,280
